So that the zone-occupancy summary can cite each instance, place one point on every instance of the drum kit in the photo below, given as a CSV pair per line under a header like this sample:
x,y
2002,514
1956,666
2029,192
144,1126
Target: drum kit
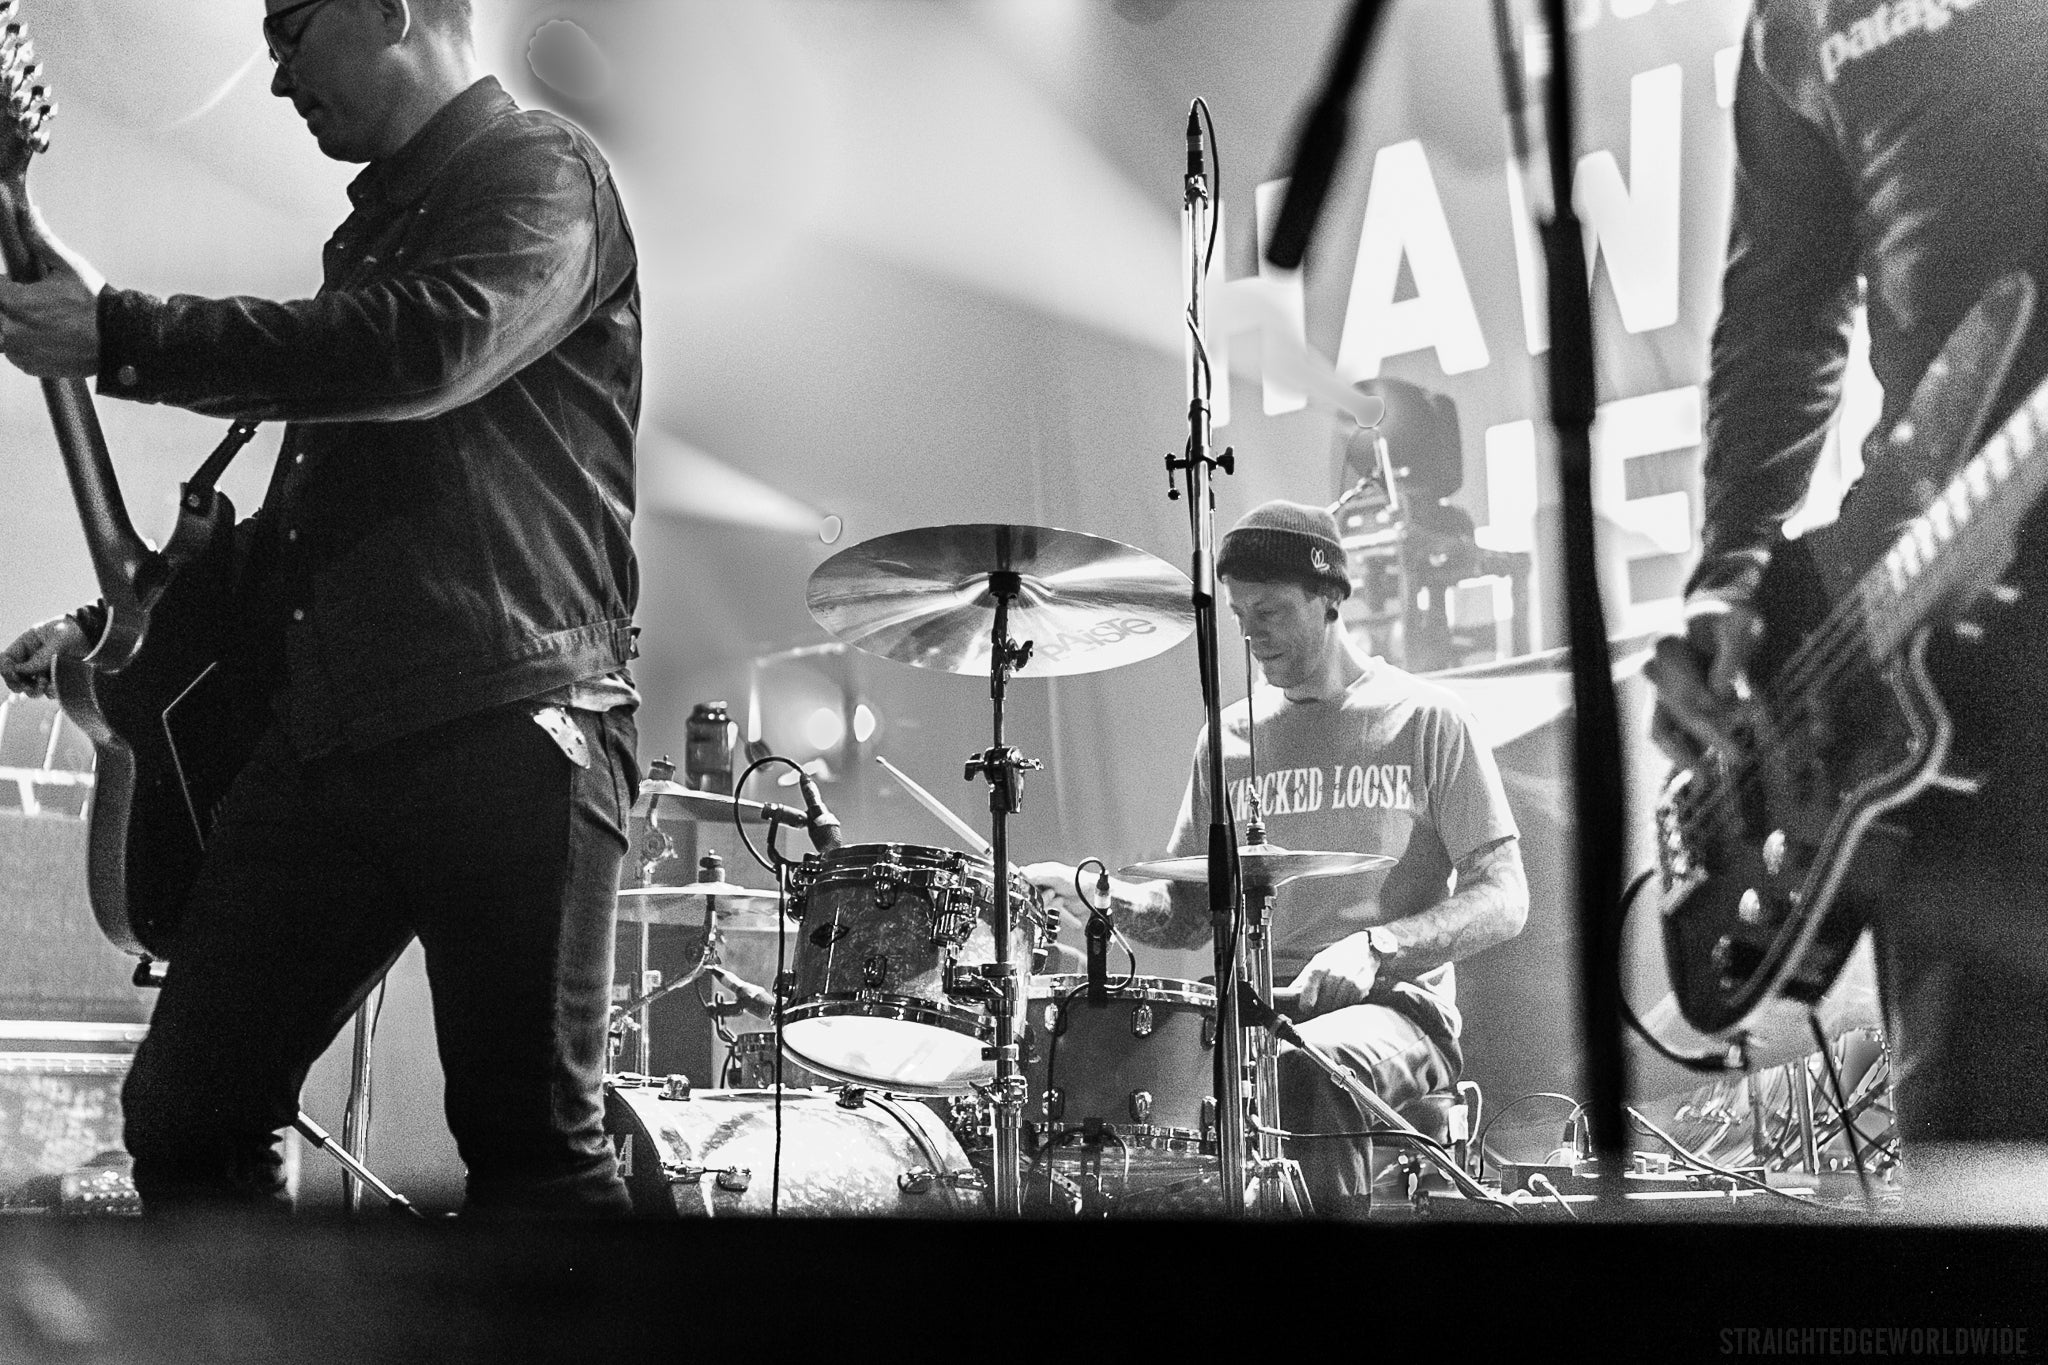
x,y
917,992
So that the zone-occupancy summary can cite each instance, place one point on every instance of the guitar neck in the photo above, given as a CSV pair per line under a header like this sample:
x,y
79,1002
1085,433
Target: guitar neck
x,y
120,559
1964,538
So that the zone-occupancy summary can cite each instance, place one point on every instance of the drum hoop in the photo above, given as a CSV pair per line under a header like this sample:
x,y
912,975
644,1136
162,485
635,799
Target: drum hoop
x,y
857,854
1137,1136
910,1008
1055,987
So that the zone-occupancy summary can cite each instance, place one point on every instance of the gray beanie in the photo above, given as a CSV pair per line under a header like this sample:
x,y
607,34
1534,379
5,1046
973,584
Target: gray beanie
x,y
1286,542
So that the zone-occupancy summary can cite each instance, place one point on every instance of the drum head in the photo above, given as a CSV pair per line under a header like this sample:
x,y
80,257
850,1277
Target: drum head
x,y
897,1054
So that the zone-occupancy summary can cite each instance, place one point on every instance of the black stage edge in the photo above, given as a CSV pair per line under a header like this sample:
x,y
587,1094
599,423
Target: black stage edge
x,y
94,1290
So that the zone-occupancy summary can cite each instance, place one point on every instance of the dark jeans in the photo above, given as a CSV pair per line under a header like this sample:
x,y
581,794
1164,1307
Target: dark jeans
x,y
1389,1052
480,838
1962,940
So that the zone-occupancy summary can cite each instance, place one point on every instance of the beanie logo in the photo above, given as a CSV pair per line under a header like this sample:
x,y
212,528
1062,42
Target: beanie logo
x,y
1319,559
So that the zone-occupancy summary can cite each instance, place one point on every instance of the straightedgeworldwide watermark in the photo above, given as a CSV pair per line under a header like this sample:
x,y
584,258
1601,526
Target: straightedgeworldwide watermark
x,y
1874,1341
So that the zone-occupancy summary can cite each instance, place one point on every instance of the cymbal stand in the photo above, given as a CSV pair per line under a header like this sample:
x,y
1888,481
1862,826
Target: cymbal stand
x,y
1004,767
1196,470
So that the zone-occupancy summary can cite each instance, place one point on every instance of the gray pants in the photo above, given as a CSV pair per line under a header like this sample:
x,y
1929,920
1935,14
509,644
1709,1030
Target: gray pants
x,y
1386,1049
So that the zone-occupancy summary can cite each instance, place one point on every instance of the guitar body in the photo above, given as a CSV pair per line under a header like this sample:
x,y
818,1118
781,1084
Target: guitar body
x,y
1772,858
1769,889
170,730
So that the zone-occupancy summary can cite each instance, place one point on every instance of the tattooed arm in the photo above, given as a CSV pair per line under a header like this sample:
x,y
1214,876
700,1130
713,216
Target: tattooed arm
x,y
1154,913
1489,906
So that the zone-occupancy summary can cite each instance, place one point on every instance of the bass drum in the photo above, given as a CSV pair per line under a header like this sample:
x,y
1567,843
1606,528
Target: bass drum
x,y
711,1153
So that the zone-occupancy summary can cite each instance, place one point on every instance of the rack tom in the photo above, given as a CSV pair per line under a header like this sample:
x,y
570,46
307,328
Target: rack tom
x,y
892,940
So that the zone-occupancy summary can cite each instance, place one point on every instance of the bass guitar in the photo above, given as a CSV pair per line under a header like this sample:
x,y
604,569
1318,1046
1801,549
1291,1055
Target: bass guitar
x,y
169,731
1772,856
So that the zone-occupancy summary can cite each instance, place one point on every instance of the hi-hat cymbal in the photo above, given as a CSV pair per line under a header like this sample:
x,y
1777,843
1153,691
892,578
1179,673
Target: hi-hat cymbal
x,y
724,891
693,804
921,597
735,906
1260,865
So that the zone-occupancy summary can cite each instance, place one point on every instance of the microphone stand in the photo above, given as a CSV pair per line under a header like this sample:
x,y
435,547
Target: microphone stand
x,y
1599,791
1196,468
1004,766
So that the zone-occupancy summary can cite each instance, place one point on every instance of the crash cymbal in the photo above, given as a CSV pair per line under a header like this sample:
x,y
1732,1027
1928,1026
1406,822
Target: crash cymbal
x,y
692,804
921,597
1261,865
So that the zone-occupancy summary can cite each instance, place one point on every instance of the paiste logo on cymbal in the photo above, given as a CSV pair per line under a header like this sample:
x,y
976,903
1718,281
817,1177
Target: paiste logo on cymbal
x,y
1098,636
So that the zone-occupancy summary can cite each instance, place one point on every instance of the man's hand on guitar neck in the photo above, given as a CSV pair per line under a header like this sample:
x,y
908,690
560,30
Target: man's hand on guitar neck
x,y
1702,679
50,327
26,665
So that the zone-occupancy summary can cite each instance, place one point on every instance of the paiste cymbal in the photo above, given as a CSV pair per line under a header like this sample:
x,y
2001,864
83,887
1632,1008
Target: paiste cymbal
x,y
921,597
1261,865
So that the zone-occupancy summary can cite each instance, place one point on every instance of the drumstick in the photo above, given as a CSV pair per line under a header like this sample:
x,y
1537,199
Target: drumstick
x,y
938,809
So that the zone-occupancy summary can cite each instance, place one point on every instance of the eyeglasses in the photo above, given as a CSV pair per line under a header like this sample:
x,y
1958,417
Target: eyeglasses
x,y
281,47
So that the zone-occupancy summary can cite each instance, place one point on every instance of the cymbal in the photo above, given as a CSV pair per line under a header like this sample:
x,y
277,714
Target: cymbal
x,y
1261,865
737,907
921,597
693,804
724,891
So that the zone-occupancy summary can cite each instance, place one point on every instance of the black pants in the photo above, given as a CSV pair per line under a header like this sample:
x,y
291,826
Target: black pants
x,y
478,837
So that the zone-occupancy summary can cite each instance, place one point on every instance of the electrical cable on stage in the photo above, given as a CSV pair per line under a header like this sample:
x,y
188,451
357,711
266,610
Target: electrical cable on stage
x,y
1727,1173
1479,1140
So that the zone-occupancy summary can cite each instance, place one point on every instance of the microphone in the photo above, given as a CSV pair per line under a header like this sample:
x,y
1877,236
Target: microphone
x,y
754,999
1098,931
1195,159
1322,141
822,824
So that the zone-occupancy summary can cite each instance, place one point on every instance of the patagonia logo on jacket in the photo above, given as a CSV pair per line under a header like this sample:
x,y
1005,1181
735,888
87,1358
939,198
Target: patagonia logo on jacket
x,y
1891,21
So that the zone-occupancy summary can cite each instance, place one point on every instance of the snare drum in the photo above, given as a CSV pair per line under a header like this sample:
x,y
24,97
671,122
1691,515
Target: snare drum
x,y
1134,1074
712,1154
883,925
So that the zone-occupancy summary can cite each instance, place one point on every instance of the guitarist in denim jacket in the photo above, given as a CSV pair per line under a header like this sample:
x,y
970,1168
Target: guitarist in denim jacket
x,y
1899,151
436,600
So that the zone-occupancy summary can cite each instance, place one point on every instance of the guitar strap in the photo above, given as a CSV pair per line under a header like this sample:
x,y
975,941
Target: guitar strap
x,y
208,474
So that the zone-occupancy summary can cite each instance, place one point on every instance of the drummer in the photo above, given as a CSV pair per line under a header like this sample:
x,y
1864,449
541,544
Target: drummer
x,y
1354,755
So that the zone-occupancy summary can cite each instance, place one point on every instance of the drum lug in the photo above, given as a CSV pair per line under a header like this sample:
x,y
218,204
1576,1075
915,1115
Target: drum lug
x,y
1141,1106
676,1086
1055,1103
874,970
917,1180
1208,1029
1141,1021
852,1097
964,981
1209,1123
733,1179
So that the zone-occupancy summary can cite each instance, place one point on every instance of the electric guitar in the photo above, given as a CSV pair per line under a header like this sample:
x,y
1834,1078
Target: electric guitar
x,y
1772,857
169,732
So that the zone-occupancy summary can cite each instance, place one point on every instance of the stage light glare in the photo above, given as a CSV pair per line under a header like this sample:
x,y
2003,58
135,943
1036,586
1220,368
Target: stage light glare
x,y
823,729
864,723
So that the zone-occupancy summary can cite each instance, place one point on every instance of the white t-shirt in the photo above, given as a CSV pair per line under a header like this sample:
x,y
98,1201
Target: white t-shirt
x,y
1392,767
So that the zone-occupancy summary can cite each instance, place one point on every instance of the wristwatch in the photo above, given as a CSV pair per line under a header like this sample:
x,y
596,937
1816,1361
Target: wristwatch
x,y
1383,948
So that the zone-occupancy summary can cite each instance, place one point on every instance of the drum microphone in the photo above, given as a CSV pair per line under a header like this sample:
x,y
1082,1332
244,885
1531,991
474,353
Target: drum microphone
x,y
821,823
753,999
1195,170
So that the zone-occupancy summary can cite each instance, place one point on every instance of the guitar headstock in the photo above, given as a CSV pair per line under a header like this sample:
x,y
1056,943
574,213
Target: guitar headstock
x,y
25,103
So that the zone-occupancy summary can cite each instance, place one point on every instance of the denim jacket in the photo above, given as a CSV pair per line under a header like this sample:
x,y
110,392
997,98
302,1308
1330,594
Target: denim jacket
x,y
448,527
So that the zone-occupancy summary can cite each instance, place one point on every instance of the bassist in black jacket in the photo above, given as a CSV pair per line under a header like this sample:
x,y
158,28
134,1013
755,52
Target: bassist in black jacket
x,y
434,600
1902,150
